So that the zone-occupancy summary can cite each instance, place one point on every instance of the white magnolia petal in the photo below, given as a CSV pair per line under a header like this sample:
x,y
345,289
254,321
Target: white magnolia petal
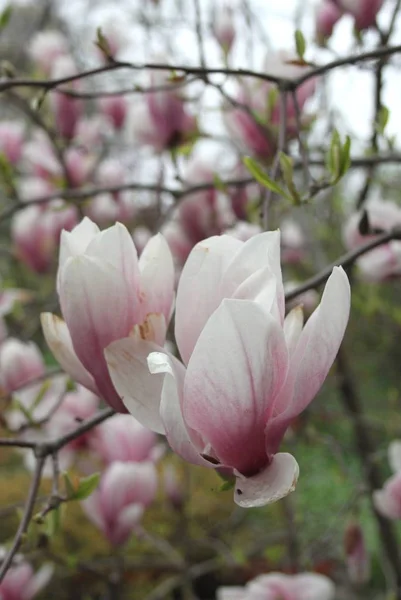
x,y
293,324
177,433
75,242
38,581
231,593
59,341
198,292
157,277
140,391
275,482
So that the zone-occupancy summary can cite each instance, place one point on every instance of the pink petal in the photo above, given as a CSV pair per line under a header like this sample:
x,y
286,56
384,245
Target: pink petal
x,y
139,390
157,278
75,242
59,341
312,586
178,435
293,324
235,372
231,593
258,252
275,482
319,342
198,289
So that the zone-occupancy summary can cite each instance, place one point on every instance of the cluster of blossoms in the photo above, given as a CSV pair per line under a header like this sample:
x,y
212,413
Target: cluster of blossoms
x,y
237,348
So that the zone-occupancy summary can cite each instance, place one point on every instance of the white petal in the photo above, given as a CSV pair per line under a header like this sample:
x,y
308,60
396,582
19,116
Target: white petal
x,y
198,292
59,341
157,277
293,324
275,482
38,581
177,433
75,242
140,391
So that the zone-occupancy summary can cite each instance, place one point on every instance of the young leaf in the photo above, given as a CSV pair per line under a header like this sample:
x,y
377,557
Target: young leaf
x,y
300,43
86,486
262,177
5,16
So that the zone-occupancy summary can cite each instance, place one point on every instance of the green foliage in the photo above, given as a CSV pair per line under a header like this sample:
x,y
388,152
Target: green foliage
x,y
300,44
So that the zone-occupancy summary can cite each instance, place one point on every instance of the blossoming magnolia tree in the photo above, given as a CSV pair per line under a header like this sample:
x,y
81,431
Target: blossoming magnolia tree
x,y
189,206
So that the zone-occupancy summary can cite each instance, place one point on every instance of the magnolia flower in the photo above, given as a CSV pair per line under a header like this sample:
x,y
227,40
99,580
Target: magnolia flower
x,y
123,439
327,16
277,586
67,110
11,140
254,126
248,373
363,11
20,363
35,232
22,583
385,260
388,500
223,27
162,120
46,47
106,294
115,109
40,159
292,242
117,505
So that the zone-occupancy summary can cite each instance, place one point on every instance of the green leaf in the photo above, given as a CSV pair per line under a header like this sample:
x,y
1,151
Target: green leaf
x,y
86,486
382,119
103,44
262,177
227,485
69,486
300,43
5,16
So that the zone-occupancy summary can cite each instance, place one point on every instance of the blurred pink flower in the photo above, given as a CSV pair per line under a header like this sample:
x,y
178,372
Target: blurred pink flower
x,y
328,14
117,505
249,373
223,26
277,586
35,232
162,120
46,47
363,11
106,294
254,126
123,439
292,242
66,109
388,499
384,261
22,583
11,140
20,362
115,109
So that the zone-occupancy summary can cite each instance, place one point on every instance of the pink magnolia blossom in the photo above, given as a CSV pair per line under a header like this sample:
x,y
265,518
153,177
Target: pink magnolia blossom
x,y
327,16
309,300
20,362
223,27
242,196
243,230
162,121
22,583
9,296
388,499
123,439
384,261
201,214
277,586
11,140
248,373
254,126
104,209
106,293
66,109
35,232
363,11
115,108
90,132
46,47
79,166
40,159
117,505
357,557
